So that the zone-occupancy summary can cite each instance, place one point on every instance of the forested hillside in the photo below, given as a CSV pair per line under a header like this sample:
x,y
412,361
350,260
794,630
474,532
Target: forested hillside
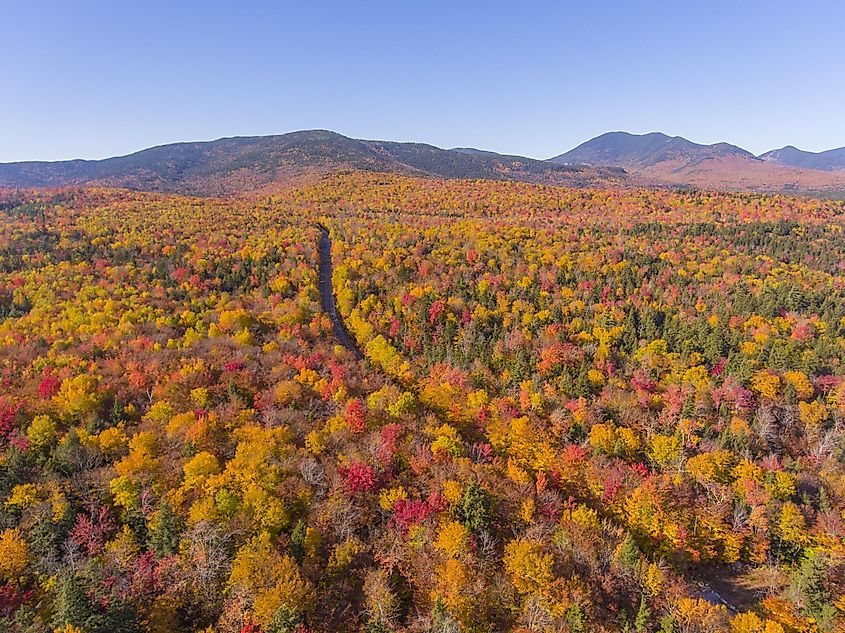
x,y
269,163
579,410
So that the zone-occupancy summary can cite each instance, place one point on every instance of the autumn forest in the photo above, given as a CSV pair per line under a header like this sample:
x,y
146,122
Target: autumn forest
x,y
565,410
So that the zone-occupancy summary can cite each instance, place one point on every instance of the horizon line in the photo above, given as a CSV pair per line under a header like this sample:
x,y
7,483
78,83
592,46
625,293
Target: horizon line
x,y
455,147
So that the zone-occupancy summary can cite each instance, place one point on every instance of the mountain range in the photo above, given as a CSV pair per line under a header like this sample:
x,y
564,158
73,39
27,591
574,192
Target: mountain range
x,y
658,159
638,151
830,160
260,163
264,163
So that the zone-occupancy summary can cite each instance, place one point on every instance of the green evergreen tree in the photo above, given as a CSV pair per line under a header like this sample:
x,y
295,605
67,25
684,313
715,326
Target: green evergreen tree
x,y
668,624
165,536
629,553
285,620
474,508
72,606
297,540
577,618
809,582
643,616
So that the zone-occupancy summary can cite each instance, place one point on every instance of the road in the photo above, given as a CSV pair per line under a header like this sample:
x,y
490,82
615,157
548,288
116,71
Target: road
x,y
714,597
327,294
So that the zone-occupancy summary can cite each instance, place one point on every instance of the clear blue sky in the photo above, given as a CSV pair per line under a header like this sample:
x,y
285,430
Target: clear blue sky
x,y
93,79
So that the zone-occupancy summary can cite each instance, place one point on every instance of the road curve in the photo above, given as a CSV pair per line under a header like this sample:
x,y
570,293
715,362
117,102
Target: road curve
x,y
327,294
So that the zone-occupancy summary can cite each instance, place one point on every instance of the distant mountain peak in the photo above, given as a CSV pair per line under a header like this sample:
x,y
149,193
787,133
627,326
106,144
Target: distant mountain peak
x,y
657,159
830,160
639,151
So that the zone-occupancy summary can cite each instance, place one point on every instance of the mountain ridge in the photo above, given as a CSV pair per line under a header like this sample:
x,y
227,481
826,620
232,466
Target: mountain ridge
x,y
624,149
828,160
262,164
255,163
656,159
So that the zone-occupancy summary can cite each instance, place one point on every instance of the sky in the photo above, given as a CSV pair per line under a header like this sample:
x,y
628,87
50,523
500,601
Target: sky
x,y
92,79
